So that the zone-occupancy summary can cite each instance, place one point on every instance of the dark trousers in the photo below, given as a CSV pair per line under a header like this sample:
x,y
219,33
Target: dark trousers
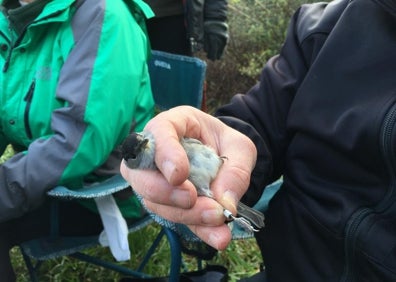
x,y
169,34
73,218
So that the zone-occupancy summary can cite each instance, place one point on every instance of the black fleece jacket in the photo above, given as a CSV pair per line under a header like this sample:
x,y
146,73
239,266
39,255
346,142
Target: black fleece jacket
x,y
324,116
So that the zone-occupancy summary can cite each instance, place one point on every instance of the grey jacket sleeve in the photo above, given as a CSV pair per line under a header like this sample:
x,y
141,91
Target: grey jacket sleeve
x,y
13,201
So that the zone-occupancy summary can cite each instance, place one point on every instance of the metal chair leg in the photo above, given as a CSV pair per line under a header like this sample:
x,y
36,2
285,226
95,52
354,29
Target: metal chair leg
x,y
32,268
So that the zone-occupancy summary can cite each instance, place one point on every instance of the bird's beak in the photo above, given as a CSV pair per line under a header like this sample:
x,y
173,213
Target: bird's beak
x,y
144,143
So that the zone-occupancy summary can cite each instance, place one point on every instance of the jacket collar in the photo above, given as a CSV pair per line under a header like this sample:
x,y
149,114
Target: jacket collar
x,y
23,15
10,4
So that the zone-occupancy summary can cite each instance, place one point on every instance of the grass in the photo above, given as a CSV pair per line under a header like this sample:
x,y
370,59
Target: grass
x,y
242,258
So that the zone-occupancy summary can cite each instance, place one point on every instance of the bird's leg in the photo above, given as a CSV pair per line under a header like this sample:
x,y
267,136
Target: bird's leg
x,y
241,221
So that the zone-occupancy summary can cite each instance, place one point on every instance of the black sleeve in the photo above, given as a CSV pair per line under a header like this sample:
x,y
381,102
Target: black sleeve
x,y
262,113
215,10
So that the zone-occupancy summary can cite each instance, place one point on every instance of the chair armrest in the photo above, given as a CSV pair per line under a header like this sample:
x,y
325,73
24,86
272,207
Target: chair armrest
x,y
100,189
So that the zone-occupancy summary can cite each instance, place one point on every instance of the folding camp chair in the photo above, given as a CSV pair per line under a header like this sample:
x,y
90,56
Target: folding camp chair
x,y
176,80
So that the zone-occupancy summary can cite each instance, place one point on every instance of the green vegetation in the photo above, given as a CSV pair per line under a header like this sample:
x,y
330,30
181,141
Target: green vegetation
x,y
241,258
257,30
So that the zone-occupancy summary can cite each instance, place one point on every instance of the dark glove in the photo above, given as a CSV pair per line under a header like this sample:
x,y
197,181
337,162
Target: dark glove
x,y
215,38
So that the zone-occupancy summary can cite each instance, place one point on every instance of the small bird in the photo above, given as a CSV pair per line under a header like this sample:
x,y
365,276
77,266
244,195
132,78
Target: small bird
x,y
138,151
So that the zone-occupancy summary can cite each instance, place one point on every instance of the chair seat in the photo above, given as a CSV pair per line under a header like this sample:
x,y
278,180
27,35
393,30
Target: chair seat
x,y
107,187
51,247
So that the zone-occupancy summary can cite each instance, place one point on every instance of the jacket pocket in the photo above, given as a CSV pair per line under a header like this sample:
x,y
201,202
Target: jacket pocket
x,y
376,248
28,99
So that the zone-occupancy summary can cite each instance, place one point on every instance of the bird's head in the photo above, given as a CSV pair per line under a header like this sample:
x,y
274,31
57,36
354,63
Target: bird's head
x,y
138,151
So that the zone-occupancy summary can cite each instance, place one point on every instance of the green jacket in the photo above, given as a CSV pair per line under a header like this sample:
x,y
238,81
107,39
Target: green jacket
x,y
71,83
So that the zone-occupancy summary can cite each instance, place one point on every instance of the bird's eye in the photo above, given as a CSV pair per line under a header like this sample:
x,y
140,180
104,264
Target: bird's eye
x,y
133,156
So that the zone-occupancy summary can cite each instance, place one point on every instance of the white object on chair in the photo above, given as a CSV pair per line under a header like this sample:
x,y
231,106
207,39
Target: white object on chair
x,y
115,233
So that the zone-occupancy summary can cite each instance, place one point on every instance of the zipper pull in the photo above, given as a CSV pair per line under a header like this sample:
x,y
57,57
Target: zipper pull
x,y
6,64
29,94
28,98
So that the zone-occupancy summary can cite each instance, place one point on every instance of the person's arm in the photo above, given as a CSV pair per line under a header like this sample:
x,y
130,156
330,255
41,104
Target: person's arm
x,y
104,83
215,28
207,26
262,114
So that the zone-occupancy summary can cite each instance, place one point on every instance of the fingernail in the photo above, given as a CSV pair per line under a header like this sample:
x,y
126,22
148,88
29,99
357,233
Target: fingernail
x,y
168,169
213,240
181,198
212,215
230,198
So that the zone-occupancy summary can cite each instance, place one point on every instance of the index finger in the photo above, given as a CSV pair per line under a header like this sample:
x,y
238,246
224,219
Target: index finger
x,y
168,128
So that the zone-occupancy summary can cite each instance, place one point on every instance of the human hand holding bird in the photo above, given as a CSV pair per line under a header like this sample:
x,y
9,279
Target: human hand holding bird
x,y
139,153
167,191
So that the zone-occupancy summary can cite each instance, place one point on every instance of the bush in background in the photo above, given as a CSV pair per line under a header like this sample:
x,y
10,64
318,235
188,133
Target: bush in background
x,y
257,31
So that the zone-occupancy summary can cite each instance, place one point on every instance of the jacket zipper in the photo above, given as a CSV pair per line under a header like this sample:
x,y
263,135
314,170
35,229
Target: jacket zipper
x,y
352,230
8,59
359,216
5,67
28,98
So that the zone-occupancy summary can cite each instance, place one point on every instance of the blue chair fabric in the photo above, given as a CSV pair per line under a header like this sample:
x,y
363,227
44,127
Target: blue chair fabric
x,y
187,89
